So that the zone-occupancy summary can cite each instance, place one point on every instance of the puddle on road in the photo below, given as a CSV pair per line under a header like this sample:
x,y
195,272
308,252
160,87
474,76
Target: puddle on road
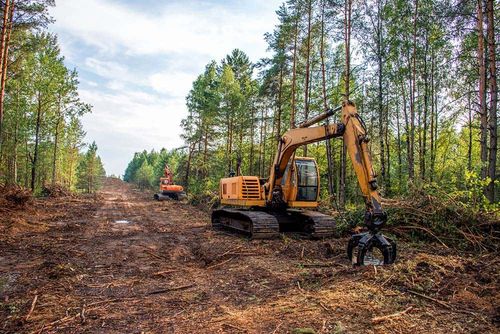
x,y
122,222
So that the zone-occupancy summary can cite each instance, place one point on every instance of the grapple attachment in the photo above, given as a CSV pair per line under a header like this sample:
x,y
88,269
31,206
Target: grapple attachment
x,y
371,248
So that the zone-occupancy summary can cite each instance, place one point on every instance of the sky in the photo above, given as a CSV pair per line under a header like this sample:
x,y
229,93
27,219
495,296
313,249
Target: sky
x,y
137,60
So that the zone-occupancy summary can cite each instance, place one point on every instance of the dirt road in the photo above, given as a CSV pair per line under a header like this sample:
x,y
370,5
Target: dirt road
x,y
123,263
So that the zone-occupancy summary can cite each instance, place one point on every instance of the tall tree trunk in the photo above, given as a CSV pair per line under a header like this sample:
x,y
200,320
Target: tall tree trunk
x,y
280,103
56,142
54,153
252,134
261,144
230,146
482,90
3,54
308,56
426,107
3,33
436,126
274,147
493,126
264,165
411,160
37,140
433,66
308,67
407,123
90,172
4,49
294,69
469,148
12,177
347,42
380,95
239,155
205,151
14,154
388,149
188,166
381,124
418,127
71,163
28,162
325,100
400,158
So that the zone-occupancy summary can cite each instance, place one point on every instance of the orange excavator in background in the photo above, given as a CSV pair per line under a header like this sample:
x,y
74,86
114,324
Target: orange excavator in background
x,y
169,190
285,201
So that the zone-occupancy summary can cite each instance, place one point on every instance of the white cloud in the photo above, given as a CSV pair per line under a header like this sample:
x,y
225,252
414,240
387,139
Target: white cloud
x,y
178,28
106,69
136,57
172,83
129,122
90,83
116,85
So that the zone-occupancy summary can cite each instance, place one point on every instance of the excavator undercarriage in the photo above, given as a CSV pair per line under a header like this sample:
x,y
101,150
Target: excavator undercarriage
x,y
269,224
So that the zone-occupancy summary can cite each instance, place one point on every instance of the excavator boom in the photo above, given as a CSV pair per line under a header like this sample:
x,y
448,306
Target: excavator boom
x,y
289,143
353,131
274,199
356,142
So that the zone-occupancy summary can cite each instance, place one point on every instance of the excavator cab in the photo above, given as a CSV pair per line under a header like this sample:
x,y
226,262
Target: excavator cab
x,y
300,181
307,180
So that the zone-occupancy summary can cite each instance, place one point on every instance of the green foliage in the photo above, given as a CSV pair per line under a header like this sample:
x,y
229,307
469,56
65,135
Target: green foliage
x,y
461,218
422,120
90,171
473,192
144,176
41,133
146,168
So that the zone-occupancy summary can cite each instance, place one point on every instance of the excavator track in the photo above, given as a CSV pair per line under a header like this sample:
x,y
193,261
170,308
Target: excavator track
x,y
256,224
263,225
315,224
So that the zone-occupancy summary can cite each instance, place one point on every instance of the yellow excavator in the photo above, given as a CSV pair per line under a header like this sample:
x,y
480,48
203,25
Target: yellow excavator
x,y
285,202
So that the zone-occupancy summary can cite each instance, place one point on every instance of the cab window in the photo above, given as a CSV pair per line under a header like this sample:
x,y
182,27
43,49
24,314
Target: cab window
x,y
307,185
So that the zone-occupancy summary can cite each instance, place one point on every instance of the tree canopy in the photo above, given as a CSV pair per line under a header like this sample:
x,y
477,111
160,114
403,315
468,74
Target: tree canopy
x,y
41,134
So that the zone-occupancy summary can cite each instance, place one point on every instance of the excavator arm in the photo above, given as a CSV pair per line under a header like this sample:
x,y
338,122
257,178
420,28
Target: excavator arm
x,y
356,142
354,133
353,130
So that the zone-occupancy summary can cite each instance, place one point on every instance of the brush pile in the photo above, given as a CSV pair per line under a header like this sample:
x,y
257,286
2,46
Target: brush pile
x,y
444,218
55,191
15,196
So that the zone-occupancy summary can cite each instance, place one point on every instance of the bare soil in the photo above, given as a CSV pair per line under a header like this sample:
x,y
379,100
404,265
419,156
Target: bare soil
x,y
119,262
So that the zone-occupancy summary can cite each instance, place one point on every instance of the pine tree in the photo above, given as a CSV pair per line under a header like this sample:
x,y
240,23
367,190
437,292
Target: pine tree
x,y
90,170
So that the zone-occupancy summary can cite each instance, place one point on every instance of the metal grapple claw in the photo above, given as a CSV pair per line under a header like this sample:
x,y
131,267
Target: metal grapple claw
x,y
369,245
